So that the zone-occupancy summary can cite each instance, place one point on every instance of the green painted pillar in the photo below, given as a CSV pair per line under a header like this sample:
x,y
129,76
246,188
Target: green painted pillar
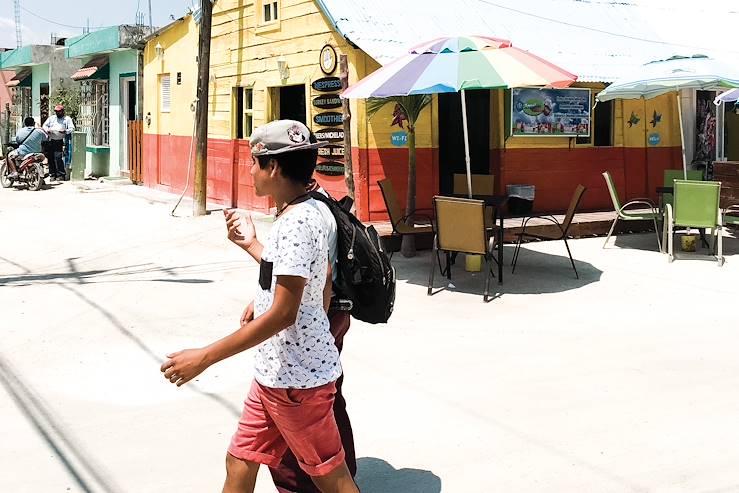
x,y
79,146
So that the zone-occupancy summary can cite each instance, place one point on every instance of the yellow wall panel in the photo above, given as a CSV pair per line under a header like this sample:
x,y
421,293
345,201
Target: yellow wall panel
x,y
179,43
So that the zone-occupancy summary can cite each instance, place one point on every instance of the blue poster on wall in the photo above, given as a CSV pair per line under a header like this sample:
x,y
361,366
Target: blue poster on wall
x,y
550,112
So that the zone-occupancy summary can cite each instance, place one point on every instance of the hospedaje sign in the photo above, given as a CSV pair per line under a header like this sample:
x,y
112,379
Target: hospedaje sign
x,y
550,112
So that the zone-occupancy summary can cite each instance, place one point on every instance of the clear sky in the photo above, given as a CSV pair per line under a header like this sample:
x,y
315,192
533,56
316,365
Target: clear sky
x,y
74,14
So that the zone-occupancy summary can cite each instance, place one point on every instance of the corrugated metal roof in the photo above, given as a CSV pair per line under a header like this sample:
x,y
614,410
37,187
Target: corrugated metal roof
x,y
90,68
597,40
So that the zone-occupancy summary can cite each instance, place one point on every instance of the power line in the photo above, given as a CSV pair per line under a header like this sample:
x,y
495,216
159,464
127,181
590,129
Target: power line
x,y
601,31
52,22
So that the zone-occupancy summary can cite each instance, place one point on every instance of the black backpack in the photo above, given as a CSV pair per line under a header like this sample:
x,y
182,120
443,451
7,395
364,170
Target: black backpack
x,y
364,273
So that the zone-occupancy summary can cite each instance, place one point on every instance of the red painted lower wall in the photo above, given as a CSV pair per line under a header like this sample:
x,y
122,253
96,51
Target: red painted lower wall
x,y
554,172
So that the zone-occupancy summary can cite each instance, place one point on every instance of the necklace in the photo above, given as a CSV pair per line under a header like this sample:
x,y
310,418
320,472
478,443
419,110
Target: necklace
x,y
293,201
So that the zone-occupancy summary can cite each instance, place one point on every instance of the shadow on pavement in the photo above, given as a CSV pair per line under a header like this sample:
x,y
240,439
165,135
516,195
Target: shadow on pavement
x,y
88,475
648,242
117,274
536,273
377,476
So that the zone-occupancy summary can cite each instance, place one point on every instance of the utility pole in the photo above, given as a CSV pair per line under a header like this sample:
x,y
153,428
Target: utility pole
x,y
150,21
201,114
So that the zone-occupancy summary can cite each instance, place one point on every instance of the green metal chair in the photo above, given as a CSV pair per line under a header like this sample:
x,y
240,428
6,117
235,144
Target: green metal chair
x,y
676,174
624,215
696,205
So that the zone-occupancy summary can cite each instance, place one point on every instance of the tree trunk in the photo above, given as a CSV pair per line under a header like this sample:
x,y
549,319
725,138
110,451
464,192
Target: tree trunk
x,y
408,247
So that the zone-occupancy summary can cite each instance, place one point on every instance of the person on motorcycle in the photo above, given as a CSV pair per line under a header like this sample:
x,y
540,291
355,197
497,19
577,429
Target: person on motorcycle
x,y
58,127
29,140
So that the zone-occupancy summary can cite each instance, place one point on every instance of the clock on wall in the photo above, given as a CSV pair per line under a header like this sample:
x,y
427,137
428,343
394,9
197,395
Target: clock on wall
x,y
328,59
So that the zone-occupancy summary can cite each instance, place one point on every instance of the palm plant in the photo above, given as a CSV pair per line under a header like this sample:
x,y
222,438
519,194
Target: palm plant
x,y
408,109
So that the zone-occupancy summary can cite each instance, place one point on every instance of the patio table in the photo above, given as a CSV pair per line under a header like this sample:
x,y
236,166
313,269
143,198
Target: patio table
x,y
496,202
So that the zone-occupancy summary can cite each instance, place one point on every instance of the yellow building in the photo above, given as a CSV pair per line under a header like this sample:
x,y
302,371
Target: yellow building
x,y
170,84
279,59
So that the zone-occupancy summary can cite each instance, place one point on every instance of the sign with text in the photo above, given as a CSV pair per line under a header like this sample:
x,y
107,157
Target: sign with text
x,y
330,168
550,112
327,101
329,119
399,139
330,134
327,84
332,151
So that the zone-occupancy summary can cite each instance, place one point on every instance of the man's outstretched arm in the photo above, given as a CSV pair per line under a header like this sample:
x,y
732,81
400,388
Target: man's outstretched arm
x,y
183,366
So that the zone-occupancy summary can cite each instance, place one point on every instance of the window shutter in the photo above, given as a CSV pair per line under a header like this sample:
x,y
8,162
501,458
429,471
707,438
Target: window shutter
x,y
166,93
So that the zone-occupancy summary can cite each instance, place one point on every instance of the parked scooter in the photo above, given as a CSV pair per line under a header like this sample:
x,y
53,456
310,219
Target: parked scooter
x,y
32,170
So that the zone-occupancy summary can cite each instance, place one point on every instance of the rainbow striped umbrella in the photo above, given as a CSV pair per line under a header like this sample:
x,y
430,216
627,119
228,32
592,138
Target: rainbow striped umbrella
x,y
457,63
453,64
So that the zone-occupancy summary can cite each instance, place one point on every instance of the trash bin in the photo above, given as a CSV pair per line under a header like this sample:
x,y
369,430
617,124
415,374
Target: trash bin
x,y
520,199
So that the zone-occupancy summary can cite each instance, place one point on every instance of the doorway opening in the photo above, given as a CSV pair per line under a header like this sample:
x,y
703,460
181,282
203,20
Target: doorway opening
x,y
451,136
44,109
292,103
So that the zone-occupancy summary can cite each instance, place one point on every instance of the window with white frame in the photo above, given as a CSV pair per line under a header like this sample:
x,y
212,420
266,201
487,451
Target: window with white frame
x,y
243,112
270,11
165,93
93,116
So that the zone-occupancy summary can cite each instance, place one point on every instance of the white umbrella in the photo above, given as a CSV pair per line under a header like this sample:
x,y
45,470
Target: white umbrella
x,y
727,97
674,74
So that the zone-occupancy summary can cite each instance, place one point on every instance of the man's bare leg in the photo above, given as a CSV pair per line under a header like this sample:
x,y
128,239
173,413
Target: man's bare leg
x,y
241,475
337,481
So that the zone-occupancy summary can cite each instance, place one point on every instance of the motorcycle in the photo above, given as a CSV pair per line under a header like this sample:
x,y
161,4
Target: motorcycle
x,y
32,170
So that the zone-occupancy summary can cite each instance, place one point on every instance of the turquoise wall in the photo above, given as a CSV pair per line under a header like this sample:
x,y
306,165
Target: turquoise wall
x,y
18,56
40,74
95,42
121,62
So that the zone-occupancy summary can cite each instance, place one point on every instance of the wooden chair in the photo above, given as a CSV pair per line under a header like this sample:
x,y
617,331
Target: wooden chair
x,y
460,228
481,185
398,220
564,228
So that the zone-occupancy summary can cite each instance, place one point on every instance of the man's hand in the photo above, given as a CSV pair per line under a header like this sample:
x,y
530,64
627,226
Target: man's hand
x,y
243,238
248,314
183,366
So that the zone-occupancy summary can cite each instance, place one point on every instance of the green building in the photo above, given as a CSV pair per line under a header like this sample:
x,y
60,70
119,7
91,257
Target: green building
x,y
110,79
39,71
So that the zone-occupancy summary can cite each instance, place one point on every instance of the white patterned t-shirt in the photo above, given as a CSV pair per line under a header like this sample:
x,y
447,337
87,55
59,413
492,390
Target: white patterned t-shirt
x,y
303,355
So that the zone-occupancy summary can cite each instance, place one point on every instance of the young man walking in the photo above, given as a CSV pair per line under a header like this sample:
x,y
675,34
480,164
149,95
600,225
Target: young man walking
x,y
288,477
297,364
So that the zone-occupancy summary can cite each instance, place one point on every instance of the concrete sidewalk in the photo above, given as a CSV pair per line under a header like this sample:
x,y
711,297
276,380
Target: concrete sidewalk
x,y
625,380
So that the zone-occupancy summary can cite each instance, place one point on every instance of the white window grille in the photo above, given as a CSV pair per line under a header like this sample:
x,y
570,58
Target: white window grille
x,y
165,93
93,116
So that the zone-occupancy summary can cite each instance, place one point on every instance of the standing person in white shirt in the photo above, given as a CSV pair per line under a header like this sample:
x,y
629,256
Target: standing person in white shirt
x,y
58,127
290,404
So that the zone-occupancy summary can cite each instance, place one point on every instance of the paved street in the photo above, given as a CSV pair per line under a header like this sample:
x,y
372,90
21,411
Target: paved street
x,y
626,380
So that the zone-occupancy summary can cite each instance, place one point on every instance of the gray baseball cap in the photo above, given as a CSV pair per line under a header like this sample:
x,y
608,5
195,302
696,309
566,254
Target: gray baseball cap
x,y
281,136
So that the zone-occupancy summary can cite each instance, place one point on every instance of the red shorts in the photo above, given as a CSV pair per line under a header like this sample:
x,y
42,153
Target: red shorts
x,y
301,419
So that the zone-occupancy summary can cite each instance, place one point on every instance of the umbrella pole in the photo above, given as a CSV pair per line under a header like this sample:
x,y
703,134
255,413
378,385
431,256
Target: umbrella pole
x,y
466,145
682,136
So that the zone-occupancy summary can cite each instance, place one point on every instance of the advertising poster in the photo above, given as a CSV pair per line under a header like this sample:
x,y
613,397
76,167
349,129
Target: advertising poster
x,y
550,112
